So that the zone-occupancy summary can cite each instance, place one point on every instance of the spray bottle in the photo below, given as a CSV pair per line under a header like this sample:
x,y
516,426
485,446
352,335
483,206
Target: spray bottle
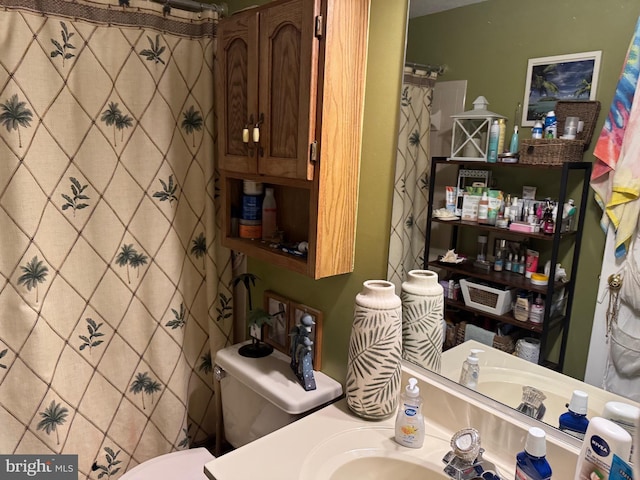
x,y
470,372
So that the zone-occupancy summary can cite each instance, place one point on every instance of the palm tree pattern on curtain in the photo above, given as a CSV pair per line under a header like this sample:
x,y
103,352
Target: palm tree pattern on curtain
x,y
115,289
411,184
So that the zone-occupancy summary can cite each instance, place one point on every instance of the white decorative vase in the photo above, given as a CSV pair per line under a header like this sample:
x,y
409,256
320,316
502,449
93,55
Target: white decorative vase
x,y
375,351
422,313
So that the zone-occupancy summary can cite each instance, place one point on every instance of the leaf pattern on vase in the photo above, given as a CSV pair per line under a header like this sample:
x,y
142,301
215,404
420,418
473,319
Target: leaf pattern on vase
x,y
63,47
52,417
422,330
35,272
14,115
373,376
75,202
91,341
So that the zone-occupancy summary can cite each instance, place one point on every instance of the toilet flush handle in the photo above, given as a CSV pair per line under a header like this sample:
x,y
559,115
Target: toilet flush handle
x,y
219,373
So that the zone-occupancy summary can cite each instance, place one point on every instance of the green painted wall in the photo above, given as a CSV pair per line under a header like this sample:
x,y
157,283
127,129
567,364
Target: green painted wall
x,y
489,45
334,296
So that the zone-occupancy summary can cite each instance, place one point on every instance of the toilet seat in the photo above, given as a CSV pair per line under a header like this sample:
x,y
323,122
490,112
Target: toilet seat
x,y
185,465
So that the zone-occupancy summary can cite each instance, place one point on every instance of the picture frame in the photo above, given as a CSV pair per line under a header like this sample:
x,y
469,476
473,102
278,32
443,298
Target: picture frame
x,y
571,77
277,334
297,310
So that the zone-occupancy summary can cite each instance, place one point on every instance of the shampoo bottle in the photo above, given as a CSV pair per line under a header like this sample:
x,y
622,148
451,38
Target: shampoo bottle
x,y
531,463
409,420
269,215
603,440
494,138
575,422
470,372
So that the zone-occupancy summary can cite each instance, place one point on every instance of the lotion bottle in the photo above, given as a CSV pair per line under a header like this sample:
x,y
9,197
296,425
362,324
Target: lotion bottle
x,y
470,372
409,420
603,440
531,464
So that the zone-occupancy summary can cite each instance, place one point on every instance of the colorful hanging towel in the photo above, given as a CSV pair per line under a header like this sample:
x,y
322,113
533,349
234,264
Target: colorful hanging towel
x,y
616,173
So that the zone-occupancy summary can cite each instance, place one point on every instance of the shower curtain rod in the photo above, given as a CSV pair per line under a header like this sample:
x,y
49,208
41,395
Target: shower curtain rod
x,y
193,6
439,69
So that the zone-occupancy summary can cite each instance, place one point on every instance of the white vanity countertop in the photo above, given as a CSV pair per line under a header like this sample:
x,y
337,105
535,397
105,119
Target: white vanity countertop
x,y
299,450
285,453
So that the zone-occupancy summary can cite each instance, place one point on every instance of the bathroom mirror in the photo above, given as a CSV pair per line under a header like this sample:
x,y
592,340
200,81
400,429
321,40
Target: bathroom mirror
x,y
491,76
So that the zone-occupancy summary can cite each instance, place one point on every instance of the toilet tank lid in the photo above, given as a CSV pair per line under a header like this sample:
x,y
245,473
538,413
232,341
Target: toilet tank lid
x,y
272,378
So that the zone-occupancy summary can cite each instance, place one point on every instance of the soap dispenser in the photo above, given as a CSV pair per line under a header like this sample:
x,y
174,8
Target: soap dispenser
x,y
409,420
575,422
471,370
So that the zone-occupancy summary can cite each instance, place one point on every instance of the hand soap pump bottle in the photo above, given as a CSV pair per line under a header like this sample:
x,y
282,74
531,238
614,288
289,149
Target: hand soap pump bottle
x,y
531,463
409,420
575,422
470,372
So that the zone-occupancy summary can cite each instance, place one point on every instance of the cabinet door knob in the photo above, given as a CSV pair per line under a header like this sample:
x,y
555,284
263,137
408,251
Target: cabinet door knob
x,y
245,134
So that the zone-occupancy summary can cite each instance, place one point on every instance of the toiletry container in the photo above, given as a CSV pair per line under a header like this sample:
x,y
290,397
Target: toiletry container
x,y
494,138
531,464
574,421
602,440
470,373
550,125
626,416
261,395
409,419
269,225
536,131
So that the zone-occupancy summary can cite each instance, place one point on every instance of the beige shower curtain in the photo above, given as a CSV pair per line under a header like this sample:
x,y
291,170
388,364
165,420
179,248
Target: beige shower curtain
x,y
114,289
411,184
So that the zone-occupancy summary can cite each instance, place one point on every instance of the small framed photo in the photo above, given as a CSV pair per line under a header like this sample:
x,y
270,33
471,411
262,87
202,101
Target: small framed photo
x,y
277,334
562,77
315,335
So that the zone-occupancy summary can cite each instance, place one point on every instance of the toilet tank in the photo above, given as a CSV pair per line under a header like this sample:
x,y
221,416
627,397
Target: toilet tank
x,y
261,395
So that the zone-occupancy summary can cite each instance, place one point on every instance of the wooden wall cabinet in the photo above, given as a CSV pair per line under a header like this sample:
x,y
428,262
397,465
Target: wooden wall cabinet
x,y
290,95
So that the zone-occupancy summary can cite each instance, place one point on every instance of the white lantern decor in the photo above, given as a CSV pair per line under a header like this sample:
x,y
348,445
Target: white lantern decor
x,y
471,132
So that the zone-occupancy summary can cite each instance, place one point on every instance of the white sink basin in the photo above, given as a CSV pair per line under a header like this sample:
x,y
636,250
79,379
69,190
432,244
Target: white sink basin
x,y
371,453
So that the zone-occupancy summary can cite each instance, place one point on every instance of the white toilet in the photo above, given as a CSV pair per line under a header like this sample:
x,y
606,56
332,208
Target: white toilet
x,y
259,396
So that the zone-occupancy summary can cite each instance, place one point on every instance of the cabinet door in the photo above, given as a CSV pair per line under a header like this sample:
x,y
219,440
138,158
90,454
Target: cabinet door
x,y
237,92
287,88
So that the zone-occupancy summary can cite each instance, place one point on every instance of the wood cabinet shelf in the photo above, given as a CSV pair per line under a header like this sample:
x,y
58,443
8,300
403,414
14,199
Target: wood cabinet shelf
x,y
503,278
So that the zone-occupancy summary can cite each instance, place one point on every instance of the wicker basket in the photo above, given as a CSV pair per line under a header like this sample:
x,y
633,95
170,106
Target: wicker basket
x,y
559,151
505,343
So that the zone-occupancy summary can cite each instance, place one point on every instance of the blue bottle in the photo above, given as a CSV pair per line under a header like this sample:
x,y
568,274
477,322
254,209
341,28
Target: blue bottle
x,y
531,464
575,422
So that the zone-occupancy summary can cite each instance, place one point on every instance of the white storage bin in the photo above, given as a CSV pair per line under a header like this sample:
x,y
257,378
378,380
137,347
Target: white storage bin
x,y
487,299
